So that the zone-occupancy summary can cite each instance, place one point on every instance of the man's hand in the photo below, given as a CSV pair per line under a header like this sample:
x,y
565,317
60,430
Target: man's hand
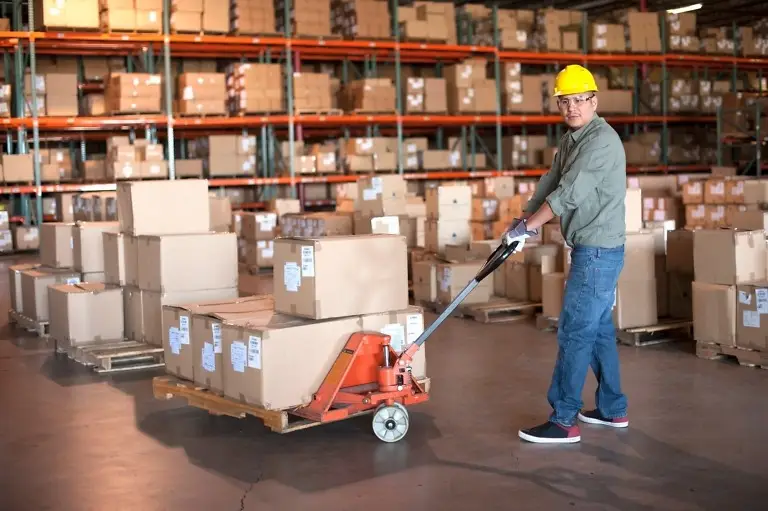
x,y
518,232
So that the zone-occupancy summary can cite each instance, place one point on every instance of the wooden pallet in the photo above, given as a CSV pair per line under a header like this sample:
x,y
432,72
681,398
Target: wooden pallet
x,y
498,310
279,421
113,357
360,111
745,357
40,328
667,330
330,111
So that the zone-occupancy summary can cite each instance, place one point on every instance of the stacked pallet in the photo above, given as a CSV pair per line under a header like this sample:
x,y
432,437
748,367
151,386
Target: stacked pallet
x,y
720,200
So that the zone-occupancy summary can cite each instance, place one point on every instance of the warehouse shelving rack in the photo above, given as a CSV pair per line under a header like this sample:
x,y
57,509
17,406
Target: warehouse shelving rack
x,y
24,43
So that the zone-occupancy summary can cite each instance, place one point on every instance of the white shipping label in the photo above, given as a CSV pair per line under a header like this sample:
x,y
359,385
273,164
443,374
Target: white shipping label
x,y
762,300
254,352
184,329
752,319
292,277
216,330
267,222
396,332
717,188
745,298
209,358
369,194
173,340
238,355
385,225
73,281
414,327
377,184
445,282
307,261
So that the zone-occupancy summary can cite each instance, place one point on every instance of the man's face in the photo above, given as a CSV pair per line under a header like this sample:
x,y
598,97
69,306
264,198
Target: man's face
x,y
577,109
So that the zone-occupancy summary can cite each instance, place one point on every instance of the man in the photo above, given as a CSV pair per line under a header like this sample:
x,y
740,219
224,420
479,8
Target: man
x,y
585,187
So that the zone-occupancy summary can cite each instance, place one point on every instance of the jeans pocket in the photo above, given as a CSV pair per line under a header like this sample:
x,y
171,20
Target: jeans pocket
x,y
605,281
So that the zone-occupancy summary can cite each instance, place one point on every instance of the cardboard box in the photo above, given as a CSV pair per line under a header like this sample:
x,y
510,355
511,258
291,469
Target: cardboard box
x,y
449,202
187,262
259,254
680,295
14,283
453,277
425,281
680,251
180,341
544,265
752,303
382,195
440,233
485,209
662,286
517,281
189,168
152,307
553,288
57,245
750,220
34,289
729,257
26,237
639,257
258,226
311,277
162,207
89,245
633,214
86,313
714,313
635,303
114,258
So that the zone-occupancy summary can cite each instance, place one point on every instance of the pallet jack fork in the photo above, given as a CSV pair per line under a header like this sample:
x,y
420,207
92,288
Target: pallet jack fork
x,y
369,375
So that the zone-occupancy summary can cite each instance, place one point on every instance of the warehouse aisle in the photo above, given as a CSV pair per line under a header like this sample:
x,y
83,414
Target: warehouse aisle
x,y
74,441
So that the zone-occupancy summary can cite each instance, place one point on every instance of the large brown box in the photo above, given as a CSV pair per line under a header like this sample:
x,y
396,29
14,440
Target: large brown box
x,y
114,258
714,313
680,251
553,289
752,304
187,262
86,313
425,281
449,202
312,278
14,283
439,233
89,245
163,207
180,342
34,289
152,307
134,313
728,257
636,303
18,168
53,14
57,245
453,277
258,226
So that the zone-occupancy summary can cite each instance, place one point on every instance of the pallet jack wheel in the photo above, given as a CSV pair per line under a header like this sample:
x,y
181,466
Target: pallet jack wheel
x,y
390,423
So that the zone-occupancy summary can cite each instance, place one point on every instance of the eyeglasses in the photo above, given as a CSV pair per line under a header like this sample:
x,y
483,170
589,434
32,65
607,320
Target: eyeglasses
x,y
577,101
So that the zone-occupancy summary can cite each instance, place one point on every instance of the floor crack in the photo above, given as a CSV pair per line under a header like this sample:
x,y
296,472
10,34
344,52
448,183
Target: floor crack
x,y
247,491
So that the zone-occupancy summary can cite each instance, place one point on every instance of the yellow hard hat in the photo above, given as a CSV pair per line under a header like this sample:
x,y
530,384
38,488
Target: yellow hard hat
x,y
574,79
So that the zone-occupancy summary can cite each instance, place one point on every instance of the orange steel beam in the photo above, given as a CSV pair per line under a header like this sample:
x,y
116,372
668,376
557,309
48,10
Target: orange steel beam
x,y
341,178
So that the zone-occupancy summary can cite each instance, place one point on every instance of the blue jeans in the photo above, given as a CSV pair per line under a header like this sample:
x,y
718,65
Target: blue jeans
x,y
586,336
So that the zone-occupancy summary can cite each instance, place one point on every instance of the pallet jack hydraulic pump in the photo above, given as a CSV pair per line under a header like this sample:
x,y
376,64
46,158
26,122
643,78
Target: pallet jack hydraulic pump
x,y
369,375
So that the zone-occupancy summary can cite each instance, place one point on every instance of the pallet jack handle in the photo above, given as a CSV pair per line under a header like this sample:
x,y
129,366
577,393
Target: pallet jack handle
x,y
496,259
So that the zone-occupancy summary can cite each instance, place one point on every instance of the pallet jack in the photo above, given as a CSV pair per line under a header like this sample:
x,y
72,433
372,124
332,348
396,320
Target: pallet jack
x,y
369,375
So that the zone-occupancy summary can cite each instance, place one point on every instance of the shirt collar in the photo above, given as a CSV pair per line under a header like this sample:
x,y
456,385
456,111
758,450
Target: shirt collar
x,y
577,134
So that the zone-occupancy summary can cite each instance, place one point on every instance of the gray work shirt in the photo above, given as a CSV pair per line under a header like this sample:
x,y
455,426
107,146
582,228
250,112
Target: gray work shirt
x,y
587,185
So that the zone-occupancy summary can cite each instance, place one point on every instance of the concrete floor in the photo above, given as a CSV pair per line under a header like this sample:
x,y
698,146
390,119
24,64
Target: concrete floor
x,y
72,440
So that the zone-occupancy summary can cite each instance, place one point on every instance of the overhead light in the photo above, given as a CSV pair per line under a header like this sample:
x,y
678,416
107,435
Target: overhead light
x,y
687,8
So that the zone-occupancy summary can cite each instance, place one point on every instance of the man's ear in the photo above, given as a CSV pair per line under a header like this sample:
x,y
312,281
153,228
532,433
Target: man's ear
x,y
594,101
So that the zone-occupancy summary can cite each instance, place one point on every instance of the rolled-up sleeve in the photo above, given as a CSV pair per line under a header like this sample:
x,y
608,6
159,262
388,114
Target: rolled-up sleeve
x,y
547,184
582,177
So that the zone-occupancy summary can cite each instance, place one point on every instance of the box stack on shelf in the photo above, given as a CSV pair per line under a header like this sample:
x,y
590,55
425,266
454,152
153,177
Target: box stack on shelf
x,y
187,16
67,15
427,95
140,160
255,88
365,19
449,212
133,93
469,88
514,27
428,21
252,17
257,239
681,32
131,16
312,93
227,155
383,206
369,95
307,18
718,201
558,30
202,94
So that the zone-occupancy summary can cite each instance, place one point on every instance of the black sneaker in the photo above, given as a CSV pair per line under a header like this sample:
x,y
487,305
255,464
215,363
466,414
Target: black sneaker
x,y
594,417
551,433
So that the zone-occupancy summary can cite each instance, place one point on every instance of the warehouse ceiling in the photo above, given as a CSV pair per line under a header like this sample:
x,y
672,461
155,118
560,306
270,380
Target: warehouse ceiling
x,y
712,14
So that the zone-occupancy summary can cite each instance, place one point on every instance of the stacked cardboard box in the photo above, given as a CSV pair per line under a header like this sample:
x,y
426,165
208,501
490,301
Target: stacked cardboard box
x,y
94,105
5,100
36,90
257,232
644,31
165,259
428,21
607,38
558,30
130,16
202,94
469,89
228,155
131,93
682,94
514,27
252,17
312,92
719,201
726,263
368,154
521,151
383,207
66,14
370,95
316,224
681,32
368,19
6,237
187,16
90,207
643,149
425,95
449,212
255,88
140,160
55,165
717,41
525,93
61,94
18,168
636,293
754,39
307,17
